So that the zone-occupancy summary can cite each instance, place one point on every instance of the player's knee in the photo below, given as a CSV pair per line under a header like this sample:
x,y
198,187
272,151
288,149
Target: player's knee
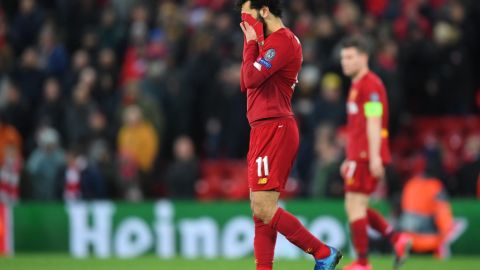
x,y
355,210
349,208
262,211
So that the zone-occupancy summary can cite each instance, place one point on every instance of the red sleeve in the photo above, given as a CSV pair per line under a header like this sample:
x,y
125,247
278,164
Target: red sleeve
x,y
257,69
372,93
242,83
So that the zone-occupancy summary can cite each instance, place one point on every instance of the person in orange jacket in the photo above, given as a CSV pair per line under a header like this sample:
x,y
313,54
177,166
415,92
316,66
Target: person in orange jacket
x,y
9,137
427,215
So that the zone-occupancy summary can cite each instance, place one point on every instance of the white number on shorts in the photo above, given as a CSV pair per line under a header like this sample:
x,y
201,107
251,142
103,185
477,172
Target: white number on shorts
x,y
351,166
264,161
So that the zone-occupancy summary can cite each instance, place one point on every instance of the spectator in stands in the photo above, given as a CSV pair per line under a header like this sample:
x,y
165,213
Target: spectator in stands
x,y
100,148
303,106
388,69
133,95
52,54
81,180
7,57
29,77
9,137
135,62
45,164
329,106
304,102
110,32
230,111
100,132
106,94
183,173
451,54
138,137
89,43
15,110
51,111
82,16
79,62
326,178
346,16
326,38
26,25
10,172
137,149
76,115
468,173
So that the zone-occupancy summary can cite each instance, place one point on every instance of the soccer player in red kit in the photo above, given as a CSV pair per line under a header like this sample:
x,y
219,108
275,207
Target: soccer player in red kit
x,y
272,58
367,153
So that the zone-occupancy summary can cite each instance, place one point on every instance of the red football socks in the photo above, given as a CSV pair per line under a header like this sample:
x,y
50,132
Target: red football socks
x,y
264,245
289,226
378,223
358,230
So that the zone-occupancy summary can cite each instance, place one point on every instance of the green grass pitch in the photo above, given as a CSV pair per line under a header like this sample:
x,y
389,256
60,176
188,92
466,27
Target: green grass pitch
x,y
63,262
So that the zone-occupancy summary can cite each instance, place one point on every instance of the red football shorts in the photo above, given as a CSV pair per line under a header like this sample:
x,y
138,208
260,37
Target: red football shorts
x,y
357,178
272,151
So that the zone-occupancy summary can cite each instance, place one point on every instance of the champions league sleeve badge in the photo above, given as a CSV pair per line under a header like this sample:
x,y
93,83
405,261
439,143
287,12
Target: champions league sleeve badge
x,y
270,54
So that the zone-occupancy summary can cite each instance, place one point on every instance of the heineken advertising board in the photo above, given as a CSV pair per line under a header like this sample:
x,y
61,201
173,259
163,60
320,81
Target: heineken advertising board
x,y
187,229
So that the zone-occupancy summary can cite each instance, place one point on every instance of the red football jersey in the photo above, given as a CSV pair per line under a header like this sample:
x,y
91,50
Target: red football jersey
x,y
368,89
269,75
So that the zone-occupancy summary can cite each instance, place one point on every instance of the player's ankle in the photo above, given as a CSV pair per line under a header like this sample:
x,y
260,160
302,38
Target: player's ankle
x,y
363,261
393,236
322,252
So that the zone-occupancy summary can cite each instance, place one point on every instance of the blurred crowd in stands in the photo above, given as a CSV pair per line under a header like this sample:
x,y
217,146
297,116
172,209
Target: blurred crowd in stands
x,y
126,99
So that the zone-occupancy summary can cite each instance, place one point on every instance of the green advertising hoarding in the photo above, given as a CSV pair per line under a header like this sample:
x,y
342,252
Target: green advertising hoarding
x,y
187,229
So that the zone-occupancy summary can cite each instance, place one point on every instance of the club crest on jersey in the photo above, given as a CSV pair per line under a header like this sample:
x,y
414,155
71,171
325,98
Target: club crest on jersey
x,y
374,97
270,54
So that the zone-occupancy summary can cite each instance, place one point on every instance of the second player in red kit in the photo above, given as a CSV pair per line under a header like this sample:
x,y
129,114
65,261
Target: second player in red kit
x,y
367,154
272,58
367,98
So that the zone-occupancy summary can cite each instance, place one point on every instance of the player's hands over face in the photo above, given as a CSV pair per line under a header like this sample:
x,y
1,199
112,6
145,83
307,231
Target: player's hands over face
x,y
248,31
376,167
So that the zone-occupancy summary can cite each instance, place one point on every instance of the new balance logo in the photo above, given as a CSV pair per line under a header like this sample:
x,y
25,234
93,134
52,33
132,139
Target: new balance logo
x,y
262,181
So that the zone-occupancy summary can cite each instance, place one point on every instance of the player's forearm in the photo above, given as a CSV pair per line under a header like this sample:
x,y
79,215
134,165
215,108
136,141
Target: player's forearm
x,y
250,51
242,83
244,53
252,77
374,136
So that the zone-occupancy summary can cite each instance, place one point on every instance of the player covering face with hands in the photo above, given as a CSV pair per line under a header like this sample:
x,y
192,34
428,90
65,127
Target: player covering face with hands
x,y
367,153
272,58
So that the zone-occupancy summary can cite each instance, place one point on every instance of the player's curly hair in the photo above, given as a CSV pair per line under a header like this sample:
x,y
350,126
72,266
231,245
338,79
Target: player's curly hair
x,y
275,6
